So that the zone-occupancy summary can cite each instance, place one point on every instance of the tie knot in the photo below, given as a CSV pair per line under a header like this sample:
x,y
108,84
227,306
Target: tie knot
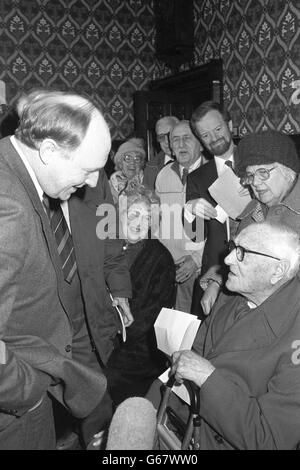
x,y
229,164
50,204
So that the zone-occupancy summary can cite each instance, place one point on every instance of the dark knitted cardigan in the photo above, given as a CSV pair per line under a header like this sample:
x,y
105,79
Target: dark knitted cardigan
x,y
137,362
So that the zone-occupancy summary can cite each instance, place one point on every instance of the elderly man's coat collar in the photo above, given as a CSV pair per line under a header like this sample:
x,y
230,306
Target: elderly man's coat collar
x,y
291,201
260,326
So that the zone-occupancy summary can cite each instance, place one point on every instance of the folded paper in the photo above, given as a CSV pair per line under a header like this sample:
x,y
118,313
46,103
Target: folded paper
x,y
175,331
229,194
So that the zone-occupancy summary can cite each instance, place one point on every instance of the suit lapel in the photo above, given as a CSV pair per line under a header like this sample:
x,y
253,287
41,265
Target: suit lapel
x,y
18,168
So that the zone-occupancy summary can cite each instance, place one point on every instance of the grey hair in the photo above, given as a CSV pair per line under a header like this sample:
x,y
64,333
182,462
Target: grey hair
x,y
285,243
61,116
168,120
289,174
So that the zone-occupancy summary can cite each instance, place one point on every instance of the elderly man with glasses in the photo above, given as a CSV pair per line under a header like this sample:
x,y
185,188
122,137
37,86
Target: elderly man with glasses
x,y
156,163
268,164
246,356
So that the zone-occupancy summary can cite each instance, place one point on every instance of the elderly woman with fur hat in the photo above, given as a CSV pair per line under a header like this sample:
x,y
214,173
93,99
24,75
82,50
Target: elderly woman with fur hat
x,y
268,164
129,164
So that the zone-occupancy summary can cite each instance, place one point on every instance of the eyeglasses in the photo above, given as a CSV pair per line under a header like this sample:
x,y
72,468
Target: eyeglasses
x,y
131,158
262,173
163,137
240,251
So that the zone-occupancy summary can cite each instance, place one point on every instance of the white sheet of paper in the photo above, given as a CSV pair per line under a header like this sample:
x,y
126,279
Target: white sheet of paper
x,y
221,214
180,390
175,330
225,191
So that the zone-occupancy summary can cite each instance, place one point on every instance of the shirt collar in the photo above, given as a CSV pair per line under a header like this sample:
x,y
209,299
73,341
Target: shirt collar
x,y
220,163
193,167
27,165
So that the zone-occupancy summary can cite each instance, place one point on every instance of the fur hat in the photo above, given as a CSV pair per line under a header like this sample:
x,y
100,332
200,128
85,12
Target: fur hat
x,y
266,147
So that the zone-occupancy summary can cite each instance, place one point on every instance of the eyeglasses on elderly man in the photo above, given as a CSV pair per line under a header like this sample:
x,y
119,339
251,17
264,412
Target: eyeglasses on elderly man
x,y
240,251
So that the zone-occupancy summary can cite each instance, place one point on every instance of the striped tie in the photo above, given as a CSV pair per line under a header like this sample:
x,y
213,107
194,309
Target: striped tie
x,y
62,235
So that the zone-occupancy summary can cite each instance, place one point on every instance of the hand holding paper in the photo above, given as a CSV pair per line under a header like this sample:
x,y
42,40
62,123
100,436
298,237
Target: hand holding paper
x,y
175,331
226,191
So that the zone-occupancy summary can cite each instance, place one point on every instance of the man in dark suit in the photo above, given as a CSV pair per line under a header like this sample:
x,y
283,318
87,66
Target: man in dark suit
x,y
50,298
213,125
163,129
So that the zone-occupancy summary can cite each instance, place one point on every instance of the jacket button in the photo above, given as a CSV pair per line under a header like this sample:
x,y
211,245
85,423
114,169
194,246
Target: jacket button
x,y
68,348
218,439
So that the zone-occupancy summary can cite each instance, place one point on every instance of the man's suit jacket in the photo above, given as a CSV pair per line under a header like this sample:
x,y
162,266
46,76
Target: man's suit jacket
x,y
251,400
198,183
101,264
35,309
215,232
152,169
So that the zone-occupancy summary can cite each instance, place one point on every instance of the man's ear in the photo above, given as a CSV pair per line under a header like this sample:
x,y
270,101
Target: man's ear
x,y
48,150
280,271
230,125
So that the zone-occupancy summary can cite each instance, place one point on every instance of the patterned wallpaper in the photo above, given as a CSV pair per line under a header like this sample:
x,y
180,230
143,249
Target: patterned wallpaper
x,y
259,42
106,48
102,47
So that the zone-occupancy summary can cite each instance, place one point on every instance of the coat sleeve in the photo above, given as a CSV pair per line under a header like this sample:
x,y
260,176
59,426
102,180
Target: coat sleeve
x,y
21,385
161,292
268,422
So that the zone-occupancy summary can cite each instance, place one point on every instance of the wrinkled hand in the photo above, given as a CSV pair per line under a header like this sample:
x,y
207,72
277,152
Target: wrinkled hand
x,y
202,208
125,310
187,365
186,267
209,297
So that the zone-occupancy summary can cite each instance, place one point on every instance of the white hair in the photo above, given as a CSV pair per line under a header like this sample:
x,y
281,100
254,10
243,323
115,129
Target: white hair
x,y
281,241
289,174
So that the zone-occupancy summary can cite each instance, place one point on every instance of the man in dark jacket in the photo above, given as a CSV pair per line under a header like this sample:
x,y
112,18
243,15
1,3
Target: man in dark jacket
x,y
246,356
163,129
54,270
213,125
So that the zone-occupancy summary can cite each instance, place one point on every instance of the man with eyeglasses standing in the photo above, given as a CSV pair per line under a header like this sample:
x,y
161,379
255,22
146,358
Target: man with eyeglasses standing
x,y
246,355
163,128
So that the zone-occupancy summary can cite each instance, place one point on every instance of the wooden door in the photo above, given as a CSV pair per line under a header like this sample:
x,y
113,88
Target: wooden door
x,y
177,95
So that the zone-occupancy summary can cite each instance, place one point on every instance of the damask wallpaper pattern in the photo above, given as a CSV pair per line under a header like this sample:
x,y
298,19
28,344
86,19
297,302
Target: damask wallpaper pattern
x,y
259,42
102,47
106,48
